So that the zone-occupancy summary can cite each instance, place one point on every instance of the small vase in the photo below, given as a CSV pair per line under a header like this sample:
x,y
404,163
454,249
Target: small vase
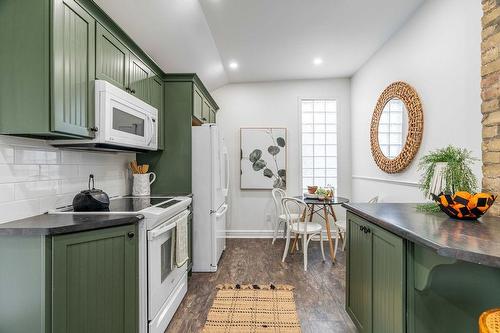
x,y
142,183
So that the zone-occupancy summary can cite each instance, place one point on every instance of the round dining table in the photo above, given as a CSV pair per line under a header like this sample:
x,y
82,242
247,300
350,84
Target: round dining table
x,y
324,209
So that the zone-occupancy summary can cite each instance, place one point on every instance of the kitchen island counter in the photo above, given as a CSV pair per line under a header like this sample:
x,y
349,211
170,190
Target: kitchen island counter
x,y
410,271
473,241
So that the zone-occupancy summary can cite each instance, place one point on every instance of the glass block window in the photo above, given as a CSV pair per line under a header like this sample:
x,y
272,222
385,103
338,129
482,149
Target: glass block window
x,y
391,128
319,142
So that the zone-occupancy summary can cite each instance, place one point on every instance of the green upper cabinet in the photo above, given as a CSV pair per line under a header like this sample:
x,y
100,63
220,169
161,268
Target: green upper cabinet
x,y
139,79
212,118
157,101
205,116
112,58
197,104
53,51
95,281
375,277
74,69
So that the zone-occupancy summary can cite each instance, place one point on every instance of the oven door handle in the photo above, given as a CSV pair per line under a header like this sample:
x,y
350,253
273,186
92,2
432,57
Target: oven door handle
x,y
155,233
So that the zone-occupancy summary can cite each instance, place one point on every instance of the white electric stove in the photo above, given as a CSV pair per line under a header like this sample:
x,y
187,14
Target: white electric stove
x,y
162,284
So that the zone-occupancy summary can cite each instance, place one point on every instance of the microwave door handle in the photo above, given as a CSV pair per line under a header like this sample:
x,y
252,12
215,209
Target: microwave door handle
x,y
152,130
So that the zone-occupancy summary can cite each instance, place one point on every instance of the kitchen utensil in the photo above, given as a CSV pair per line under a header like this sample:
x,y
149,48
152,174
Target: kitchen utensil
x,y
91,200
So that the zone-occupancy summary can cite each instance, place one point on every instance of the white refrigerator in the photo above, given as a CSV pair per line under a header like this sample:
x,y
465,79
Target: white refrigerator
x,y
210,182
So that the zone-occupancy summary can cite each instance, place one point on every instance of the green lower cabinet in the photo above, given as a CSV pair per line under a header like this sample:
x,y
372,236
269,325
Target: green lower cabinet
x,y
375,284
359,286
95,281
447,295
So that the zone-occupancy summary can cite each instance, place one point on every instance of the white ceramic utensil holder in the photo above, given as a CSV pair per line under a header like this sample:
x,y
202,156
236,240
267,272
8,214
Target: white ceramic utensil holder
x,y
142,183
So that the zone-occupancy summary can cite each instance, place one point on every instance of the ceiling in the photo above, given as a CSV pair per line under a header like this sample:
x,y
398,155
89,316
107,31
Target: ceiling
x,y
269,39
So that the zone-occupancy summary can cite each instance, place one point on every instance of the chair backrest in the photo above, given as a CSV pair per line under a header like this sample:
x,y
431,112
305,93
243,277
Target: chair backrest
x,y
373,200
278,195
294,210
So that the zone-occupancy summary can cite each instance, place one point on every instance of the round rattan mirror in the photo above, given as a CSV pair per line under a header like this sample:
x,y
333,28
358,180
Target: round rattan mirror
x,y
397,127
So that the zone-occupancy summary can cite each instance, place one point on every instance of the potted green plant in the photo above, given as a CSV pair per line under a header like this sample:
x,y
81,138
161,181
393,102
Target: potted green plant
x,y
454,167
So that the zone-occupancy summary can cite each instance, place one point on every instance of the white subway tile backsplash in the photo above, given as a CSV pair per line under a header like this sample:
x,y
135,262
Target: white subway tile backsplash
x,y
25,155
58,171
6,155
37,189
36,177
15,210
10,173
6,192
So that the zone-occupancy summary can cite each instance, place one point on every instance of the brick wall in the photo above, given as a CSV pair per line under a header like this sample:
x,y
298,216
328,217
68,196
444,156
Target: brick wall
x,y
490,87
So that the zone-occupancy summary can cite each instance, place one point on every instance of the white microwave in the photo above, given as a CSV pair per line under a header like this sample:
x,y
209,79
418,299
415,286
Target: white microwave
x,y
122,122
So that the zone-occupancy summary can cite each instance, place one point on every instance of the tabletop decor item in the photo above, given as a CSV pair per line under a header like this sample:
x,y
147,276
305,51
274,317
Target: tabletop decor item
x,y
324,193
446,170
142,180
263,158
312,189
463,205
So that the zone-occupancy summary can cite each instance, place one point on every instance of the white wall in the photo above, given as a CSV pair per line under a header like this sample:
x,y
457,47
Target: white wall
x,y
275,104
35,177
438,53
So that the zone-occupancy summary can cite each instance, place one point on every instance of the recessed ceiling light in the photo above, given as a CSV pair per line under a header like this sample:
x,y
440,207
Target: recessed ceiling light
x,y
233,65
317,61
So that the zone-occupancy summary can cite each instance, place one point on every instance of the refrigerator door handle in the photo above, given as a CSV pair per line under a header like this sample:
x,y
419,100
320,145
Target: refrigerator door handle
x,y
221,213
226,173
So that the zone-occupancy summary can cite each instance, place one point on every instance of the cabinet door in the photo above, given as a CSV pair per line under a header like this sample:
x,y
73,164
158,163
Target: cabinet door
x,y
197,103
359,272
205,116
73,69
112,58
212,116
157,101
387,280
95,284
139,75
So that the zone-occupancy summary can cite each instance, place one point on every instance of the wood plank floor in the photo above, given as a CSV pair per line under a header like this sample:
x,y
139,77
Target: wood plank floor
x,y
319,292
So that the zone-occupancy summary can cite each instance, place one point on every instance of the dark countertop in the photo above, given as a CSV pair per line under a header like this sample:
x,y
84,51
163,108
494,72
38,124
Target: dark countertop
x,y
473,241
57,224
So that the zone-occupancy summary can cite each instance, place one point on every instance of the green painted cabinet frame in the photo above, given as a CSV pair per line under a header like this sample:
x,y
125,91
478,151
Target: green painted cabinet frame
x,y
156,91
49,66
375,283
184,97
95,281
48,69
79,282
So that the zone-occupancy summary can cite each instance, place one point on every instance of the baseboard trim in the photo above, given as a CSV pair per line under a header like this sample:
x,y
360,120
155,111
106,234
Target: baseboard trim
x,y
260,234
251,234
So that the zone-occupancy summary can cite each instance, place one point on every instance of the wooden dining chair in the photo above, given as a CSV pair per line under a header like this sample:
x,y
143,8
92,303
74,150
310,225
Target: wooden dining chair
x,y
298,226
278,195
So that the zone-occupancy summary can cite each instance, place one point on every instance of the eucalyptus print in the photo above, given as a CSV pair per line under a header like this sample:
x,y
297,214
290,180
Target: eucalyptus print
x,y
266,159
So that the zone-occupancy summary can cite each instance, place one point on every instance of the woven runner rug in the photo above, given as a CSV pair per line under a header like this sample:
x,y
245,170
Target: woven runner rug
x,y
253,308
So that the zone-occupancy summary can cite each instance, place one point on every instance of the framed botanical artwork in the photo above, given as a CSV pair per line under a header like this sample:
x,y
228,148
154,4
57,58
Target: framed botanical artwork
x,y
263,158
